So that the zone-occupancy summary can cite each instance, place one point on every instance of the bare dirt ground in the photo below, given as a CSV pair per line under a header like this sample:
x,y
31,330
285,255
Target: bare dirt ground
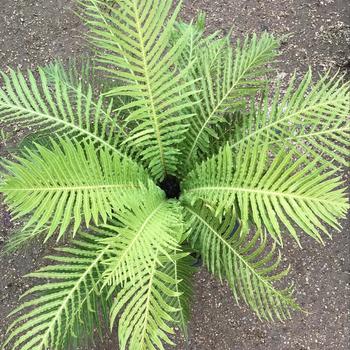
x,y
34,32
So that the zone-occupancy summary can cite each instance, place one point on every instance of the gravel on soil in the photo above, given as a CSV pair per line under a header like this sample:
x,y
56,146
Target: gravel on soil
x,y
35,32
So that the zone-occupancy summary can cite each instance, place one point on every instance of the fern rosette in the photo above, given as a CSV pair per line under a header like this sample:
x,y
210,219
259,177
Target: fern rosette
x,y
173,157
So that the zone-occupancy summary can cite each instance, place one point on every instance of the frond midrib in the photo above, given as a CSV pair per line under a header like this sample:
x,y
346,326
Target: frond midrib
x,y
73,188
260,191
149,89
105,114
310,134
149,294
236,253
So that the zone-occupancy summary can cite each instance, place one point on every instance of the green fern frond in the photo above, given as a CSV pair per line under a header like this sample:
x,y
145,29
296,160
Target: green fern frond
x,y
181,269
68,305
234,76
145,309
271,193
71,180
330,140
78,77
313,119
148,229
51,107
132,38
247,264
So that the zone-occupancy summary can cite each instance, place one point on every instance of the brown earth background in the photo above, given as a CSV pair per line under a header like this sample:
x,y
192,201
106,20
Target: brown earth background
x,y
35,32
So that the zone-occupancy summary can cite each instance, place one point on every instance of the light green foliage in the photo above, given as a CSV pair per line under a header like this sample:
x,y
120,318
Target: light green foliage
x,y
312,118
132,41
50,106
144,308
168,144
269,192
229,253
236,74
68,304
181,269
71,182
156,220
22,238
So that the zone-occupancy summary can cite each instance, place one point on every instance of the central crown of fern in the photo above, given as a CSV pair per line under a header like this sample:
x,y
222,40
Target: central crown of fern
x,y
174,156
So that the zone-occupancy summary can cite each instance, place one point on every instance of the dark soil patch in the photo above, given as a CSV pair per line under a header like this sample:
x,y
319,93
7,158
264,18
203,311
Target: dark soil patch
x,y
34,32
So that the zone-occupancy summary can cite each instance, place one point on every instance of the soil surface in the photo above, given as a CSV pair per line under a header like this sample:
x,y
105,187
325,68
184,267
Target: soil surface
x,y
34,32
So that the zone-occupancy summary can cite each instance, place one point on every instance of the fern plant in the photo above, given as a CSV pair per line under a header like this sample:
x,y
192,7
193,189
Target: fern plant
x,y
183,151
